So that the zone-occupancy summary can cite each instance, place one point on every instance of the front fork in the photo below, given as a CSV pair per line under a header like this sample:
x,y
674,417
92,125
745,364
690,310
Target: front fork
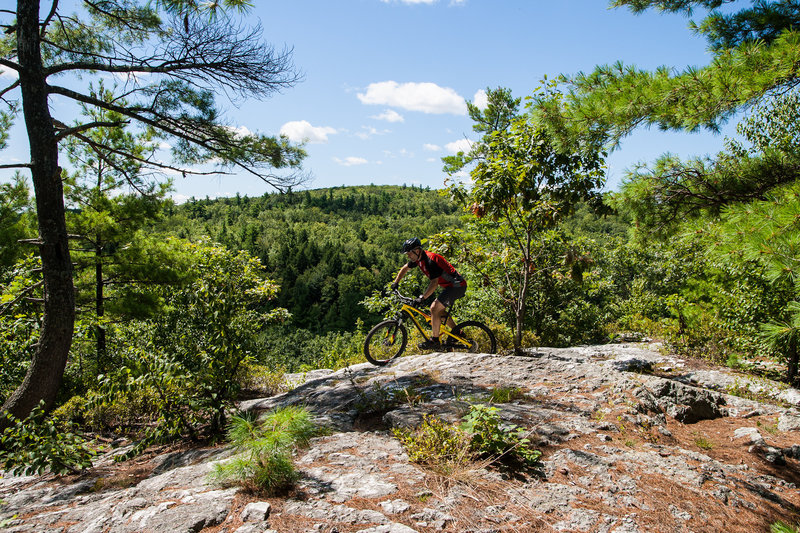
x,y
399,319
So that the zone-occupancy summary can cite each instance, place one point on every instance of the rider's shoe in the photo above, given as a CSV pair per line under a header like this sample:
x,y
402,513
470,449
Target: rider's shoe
x,y
430,344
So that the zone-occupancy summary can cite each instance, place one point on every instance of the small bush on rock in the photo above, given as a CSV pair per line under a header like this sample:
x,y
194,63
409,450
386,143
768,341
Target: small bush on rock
x,y
491,439
782,527
441,446
265,450
506,394
447,448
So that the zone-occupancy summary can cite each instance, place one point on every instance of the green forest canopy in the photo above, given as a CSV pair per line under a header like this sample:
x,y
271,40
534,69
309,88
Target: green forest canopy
x,y
326,248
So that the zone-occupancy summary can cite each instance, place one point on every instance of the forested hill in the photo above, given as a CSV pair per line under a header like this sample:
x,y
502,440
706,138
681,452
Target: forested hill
x,y
327,248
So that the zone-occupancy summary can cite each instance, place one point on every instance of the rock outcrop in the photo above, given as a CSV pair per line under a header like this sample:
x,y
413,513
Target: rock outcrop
x,y
632,441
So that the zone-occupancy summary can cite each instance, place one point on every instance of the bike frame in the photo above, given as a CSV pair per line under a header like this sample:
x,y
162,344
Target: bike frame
x,y
409,311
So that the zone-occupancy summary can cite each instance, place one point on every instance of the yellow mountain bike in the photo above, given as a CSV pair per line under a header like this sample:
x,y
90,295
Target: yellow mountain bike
x,y
388,339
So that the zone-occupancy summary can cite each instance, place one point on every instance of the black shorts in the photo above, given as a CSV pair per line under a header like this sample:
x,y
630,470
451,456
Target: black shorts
x,y
449,295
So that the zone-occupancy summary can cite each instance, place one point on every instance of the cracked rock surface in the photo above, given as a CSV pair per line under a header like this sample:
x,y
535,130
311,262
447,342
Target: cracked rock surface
x,y
633,441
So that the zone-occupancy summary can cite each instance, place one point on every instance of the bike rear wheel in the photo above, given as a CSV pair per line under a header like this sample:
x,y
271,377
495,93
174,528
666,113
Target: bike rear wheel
x,y
479,335
385,341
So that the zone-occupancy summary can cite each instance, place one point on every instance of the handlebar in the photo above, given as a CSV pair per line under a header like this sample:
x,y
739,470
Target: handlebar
x,y
404,299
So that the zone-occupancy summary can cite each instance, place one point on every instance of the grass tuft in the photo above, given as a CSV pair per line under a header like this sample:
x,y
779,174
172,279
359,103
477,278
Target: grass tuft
x,y
782,527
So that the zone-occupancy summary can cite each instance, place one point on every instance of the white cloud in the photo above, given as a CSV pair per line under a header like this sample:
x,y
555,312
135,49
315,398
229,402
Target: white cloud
x,y
431,147
12,160
303,131
462,145
240,131
390,115
464,177
351,161
426,97
481,100
402,152
369,131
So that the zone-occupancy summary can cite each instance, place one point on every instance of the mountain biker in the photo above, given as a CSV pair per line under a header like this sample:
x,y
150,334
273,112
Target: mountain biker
x,y
441,273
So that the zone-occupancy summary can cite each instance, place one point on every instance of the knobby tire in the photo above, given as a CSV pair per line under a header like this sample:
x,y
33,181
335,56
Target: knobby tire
x,y
481,337
384,342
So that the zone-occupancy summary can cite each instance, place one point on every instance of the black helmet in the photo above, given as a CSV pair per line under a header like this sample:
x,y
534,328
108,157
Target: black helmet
x,y
411,244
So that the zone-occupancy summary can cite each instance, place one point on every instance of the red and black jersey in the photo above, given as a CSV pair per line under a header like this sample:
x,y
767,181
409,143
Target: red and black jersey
x,y
435,266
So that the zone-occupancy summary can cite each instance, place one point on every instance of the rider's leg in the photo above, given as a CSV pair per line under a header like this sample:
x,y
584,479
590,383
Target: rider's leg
x,y
437,311
445,301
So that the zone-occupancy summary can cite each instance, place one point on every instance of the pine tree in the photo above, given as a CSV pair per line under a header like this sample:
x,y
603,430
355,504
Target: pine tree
x,y
176,65
111,200
756,54
747,193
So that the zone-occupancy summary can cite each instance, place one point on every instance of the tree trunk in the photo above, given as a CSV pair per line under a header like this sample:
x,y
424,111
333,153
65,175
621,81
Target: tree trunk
x,y
522,308
792,363
100,306
43,379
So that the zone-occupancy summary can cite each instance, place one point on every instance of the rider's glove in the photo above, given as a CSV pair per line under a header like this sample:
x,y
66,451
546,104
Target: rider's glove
x,y
395,285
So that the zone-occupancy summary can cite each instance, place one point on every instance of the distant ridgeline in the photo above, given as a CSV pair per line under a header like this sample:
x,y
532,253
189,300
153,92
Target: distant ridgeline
x,y
327,248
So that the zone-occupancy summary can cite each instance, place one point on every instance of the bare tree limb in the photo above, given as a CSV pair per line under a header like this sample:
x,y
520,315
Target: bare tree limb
x,y
190,130
65,131
46,22
22,295
9,64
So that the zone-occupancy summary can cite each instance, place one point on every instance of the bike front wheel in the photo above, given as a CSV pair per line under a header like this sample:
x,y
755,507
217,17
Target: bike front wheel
x,y
480,338
385,341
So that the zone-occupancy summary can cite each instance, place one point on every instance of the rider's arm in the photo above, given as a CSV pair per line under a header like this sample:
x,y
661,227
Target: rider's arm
x,y
403,271
431,288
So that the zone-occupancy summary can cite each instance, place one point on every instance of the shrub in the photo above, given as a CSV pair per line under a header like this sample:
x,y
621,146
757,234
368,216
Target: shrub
x,y
265,450
447,448
264,380
36,445
442,447
296,350
504,335
20,321
341,349
490,439
187,361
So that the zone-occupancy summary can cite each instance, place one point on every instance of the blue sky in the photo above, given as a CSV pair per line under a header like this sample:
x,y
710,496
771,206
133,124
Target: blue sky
x,y
385,81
